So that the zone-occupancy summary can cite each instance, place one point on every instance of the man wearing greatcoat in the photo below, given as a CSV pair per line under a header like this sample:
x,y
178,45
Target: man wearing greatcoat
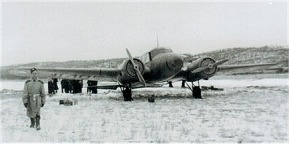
x,y
34,98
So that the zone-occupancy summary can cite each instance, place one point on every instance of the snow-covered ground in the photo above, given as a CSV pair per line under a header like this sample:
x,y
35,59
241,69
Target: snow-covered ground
x,y
250,109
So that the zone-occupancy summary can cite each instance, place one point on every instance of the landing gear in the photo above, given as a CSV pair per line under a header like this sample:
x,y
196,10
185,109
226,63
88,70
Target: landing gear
x,y
171,84
126,91
196,91
183,84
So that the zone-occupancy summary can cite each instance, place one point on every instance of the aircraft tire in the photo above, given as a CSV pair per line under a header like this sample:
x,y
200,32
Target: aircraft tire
x,y
197,93
127,95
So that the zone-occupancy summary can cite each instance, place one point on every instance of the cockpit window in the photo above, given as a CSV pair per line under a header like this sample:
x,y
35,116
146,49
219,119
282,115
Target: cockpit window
x,y
147,57
157,51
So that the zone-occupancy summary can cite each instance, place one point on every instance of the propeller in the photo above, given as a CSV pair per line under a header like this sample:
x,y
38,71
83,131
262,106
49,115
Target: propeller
x,y
135,67
209,66
220,62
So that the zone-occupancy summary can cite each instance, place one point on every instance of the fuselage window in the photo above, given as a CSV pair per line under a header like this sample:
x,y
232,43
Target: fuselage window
x,y
158,51
145,58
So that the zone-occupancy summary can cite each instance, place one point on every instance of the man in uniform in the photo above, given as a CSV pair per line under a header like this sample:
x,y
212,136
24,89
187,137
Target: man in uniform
x,y
50,86
55,80
34,98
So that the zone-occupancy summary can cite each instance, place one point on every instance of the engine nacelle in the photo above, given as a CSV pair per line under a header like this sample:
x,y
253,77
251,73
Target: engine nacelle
x,y
128,73
203,62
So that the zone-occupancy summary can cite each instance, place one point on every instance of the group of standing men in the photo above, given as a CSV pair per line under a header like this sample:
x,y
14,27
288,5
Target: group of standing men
x,y
91,86
69,86
52,86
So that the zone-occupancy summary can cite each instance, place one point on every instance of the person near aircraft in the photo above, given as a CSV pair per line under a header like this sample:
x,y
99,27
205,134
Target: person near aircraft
x,y
50,86
92,86
89,83
94,89
55,80
64,85
77,86
80,83
70,86
74,86
34,98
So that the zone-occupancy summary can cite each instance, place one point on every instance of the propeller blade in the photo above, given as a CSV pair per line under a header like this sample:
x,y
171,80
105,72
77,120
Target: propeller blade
x,y
135,67
129,55
220,62
140,78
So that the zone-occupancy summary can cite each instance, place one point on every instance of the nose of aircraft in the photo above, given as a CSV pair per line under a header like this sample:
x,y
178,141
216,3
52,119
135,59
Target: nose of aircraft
x,y
174,62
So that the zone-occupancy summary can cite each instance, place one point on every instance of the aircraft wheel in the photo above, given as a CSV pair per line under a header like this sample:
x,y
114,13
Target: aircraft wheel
x,y
127,94
183,84
197,93
171,84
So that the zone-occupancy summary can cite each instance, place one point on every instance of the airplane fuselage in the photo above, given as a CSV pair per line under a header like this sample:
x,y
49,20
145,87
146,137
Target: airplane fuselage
x,y
163,67
159,64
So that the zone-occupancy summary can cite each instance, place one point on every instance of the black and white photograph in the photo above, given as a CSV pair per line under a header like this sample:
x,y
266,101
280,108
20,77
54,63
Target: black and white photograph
x,y
156,71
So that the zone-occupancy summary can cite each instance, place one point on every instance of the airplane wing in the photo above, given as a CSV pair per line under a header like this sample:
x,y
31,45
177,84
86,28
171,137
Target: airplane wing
x,y
105,74
206,67
134,86
246,68
130,71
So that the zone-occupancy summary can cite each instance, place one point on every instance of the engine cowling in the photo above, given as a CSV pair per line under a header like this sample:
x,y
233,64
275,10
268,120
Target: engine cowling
x,y
128,73
203,62
130,70
208,62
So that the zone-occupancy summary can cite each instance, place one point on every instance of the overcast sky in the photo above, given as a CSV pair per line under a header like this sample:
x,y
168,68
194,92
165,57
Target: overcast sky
x,y
62,31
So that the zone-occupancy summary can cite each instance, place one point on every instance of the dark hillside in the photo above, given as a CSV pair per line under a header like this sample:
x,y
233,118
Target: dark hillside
x,y
250,55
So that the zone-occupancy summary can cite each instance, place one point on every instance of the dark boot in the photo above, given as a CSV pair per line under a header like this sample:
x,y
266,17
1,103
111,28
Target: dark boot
x,y
37,122
32,122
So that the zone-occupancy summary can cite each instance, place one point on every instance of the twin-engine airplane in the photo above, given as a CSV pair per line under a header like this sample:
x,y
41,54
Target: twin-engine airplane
x,y
160,65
